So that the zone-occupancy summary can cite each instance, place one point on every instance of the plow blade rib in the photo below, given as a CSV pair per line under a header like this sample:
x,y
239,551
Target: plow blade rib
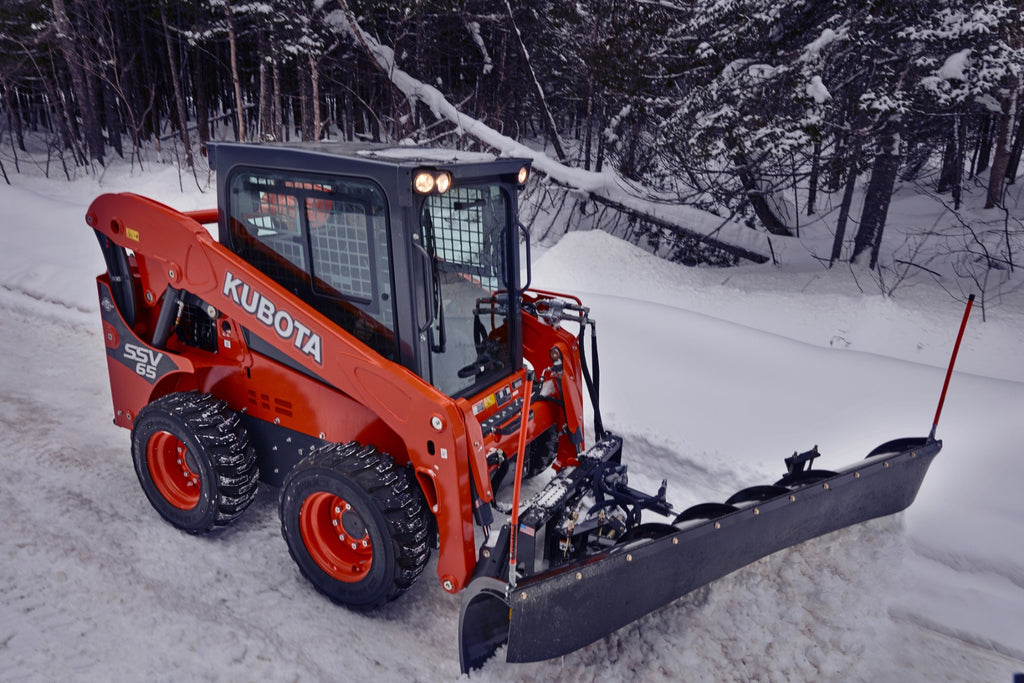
x,y
562,610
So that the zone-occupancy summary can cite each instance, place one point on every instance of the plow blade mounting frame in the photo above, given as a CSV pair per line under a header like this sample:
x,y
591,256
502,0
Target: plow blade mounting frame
x,y
564,609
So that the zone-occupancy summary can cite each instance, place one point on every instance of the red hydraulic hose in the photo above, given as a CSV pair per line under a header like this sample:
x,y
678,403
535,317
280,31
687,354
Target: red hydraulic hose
x,y
952,362
517,487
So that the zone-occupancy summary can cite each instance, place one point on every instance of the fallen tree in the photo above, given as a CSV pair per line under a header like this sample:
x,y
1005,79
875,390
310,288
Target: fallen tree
x,y
605,188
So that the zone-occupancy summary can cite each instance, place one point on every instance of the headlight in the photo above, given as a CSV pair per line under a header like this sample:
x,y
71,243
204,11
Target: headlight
x,y
423,182
443,181
524,174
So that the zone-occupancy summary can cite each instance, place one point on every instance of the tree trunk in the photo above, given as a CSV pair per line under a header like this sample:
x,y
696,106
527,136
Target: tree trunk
x,y
265,125
812,182
179,98
275,75
80,87
844,205
202,103
959,158
314,90
984,145
884,171
759,202
1018,146
548,120
306,107
235,81
14,115
946,173
1001,157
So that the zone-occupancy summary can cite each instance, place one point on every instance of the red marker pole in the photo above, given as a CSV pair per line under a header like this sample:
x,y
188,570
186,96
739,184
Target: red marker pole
x,y
952,362
517,486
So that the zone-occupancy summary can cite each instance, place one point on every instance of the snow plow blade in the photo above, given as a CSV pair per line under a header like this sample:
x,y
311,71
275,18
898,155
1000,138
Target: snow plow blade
x,y
566,608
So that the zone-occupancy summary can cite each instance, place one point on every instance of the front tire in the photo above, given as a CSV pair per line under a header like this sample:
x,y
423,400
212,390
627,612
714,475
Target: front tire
x,y
355,524
194,461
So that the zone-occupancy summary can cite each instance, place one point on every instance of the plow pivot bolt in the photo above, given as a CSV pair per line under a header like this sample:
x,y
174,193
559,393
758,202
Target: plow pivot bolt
x,y
436,423
448,585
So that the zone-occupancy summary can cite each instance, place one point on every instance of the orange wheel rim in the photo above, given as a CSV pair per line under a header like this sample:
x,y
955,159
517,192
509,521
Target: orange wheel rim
x,y
335,537
167,460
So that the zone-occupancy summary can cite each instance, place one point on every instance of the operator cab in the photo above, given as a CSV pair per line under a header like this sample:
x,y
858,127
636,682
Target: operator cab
x,y
412,251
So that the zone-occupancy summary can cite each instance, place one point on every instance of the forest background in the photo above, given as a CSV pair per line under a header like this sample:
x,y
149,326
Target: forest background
x,y
775,115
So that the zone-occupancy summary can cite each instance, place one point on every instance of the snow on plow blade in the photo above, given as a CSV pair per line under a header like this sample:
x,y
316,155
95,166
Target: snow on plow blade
x,y
561,610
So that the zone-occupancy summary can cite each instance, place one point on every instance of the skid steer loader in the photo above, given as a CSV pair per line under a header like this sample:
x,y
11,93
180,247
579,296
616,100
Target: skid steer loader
x,y
360,337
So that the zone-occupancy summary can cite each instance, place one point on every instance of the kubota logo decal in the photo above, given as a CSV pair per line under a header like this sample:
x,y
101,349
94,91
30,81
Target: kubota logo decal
x,y
281,321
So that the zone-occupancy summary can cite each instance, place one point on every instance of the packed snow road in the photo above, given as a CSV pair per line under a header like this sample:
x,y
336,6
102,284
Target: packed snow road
x,y
96,587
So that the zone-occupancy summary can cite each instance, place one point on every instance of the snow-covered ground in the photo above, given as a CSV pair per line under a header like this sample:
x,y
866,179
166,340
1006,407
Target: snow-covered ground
x,y
712,376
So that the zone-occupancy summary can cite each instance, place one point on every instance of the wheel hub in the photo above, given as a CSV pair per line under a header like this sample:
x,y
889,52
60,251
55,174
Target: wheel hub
x,y
172,470
336,537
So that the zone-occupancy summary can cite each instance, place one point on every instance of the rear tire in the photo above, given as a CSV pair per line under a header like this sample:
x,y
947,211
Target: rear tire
x,y
355,524
194,461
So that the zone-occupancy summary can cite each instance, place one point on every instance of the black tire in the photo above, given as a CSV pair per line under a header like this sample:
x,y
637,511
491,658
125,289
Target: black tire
x,y
355,524
194,461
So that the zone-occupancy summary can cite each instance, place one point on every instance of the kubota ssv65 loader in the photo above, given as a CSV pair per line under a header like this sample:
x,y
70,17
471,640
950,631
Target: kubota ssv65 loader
x,y
359,336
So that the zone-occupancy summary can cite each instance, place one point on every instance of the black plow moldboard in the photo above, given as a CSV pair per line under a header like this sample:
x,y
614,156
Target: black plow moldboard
x,y
562,610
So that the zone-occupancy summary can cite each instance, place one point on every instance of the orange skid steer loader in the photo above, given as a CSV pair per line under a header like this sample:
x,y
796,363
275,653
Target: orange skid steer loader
x,y
359,337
